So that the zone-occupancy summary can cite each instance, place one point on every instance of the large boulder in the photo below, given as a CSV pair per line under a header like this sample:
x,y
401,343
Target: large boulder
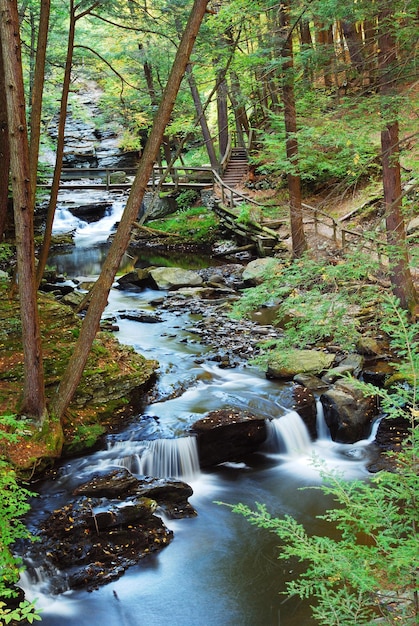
x,y
305,405
292,362
348,413
109,526
228,435
175,278
255,271
91,212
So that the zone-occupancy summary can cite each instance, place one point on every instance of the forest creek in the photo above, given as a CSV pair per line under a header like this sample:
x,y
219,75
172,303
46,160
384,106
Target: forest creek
x,y
170,416
108,523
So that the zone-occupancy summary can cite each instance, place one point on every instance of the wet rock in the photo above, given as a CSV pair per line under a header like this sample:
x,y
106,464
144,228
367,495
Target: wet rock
x,y
228,435
255,271
138,278
175,278
348,413
140,316
110,526
287,365
314,383
305,405
377,372
89,550
392,432
92,212
171,495
352,364
368,346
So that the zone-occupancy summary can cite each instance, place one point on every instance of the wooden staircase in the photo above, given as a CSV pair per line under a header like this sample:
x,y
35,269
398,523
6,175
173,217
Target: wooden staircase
x,y
237,167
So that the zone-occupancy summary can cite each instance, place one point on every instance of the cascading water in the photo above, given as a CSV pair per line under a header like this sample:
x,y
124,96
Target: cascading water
x,y
162,458
288,434
218,570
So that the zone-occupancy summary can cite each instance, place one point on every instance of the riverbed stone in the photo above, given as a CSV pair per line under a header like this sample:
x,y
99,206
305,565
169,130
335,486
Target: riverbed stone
x,y
254,272
170,494
110,525
93,541
348,413
175,277
291,362
352,364
305,405
228,435
91,212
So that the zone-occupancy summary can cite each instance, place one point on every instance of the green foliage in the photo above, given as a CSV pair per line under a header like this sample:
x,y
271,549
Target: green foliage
x,y
186,199
195,224
13,505
26,611
317,302
369,572
6,252
330,147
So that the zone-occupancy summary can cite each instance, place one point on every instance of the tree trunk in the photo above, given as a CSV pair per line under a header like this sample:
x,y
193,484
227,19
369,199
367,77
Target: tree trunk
x,y
59,154
324,46
400,276
101,289
201,118
33,401
299,245
37,91
355,45
222,113
4,152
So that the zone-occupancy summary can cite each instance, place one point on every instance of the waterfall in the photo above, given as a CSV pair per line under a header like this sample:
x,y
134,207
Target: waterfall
x,y
323,431
164,458
288,434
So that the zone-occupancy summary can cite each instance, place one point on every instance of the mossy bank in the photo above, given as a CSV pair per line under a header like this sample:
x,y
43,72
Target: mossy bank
x,y
113,385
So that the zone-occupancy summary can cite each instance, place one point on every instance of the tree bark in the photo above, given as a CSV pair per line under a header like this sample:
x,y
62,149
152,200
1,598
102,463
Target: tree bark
x,y
33,401
59,154
400,276
222,113
201,118
73,373
37,91
4,152
299,244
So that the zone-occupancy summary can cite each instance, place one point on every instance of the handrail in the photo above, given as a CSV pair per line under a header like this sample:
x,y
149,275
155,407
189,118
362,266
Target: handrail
x,y
232,194
226,156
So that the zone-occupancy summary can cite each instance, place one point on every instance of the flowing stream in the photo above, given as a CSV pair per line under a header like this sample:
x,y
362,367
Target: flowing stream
x,y
218,570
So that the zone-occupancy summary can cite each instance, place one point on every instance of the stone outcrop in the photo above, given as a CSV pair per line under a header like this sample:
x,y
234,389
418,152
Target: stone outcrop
x,y
348,413
228,435
287,365
110,526
175,277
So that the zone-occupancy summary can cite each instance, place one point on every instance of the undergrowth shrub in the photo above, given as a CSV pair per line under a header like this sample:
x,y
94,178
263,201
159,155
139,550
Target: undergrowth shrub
x,y
13,505
369,574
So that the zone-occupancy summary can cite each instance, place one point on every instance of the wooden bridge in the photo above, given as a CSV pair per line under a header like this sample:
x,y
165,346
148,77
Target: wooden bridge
x,y
226,200
162,178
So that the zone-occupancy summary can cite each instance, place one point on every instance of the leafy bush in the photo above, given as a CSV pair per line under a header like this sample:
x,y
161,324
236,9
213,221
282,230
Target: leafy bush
x,y
186,199
369,574
13,505
316,301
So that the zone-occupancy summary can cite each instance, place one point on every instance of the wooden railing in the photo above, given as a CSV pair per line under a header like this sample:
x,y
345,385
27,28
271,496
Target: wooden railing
x,y
187,177
347,238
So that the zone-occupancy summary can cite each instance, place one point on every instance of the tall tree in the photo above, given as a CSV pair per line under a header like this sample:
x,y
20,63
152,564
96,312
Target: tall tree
x,y
33,400
74,17
400,276
37,91
299,245
102,287
4,151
